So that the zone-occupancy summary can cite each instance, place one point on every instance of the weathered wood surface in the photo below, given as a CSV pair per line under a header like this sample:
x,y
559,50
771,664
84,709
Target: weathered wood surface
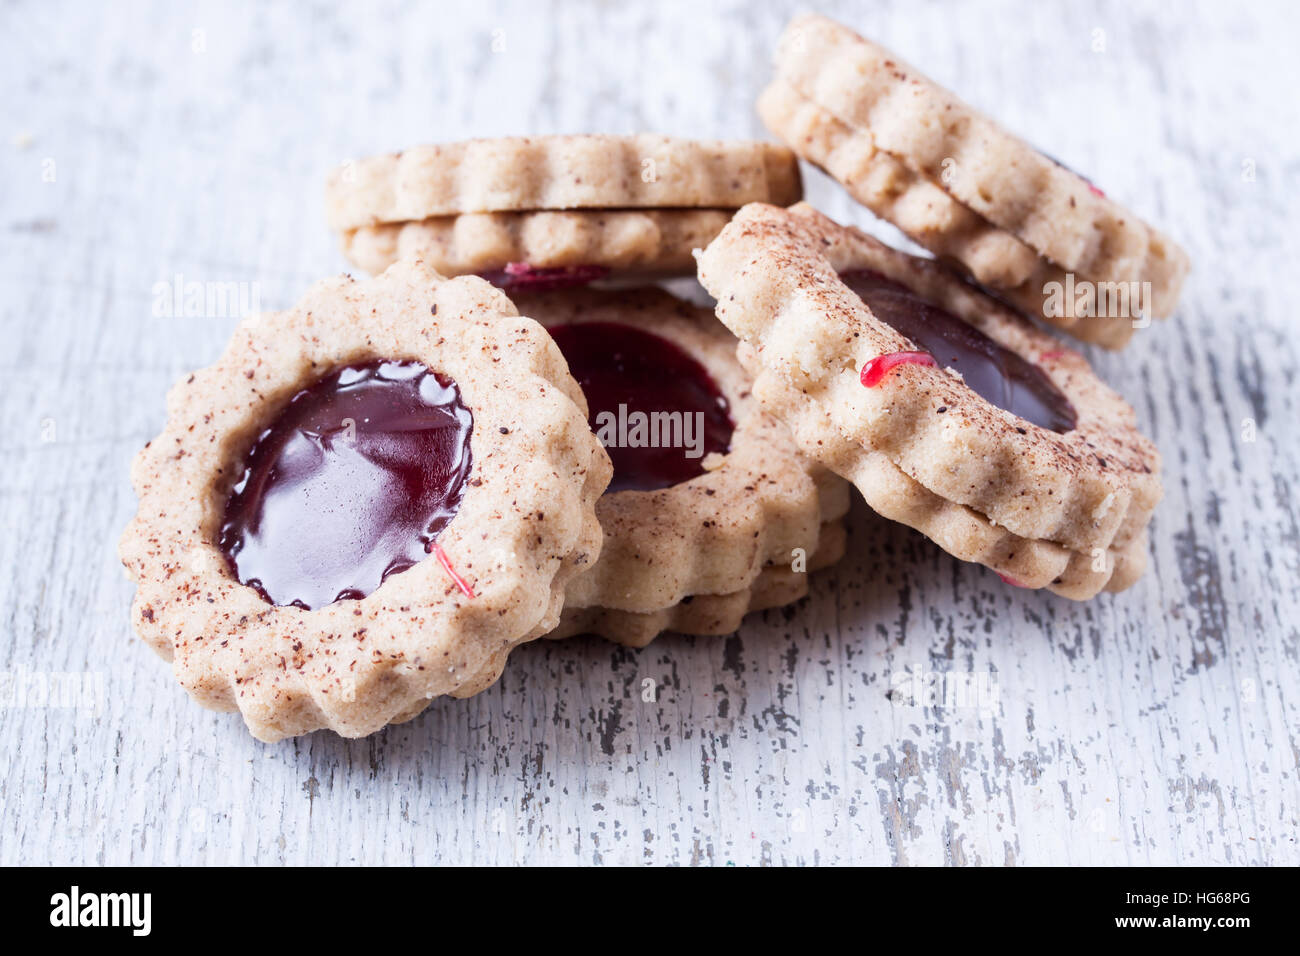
x,y
1158,726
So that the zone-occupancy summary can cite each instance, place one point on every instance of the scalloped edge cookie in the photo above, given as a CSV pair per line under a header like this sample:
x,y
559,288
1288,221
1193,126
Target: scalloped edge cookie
x,y
707,614
526,525
935,220
530,173
716,532
775,276
957,149
651,240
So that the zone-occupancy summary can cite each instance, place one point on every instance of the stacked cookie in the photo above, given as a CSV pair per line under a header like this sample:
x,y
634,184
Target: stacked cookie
x,y
923,381
369,500
554,205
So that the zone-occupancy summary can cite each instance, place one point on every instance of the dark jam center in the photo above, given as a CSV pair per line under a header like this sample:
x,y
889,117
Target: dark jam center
x,y
655,409
995,373
351,484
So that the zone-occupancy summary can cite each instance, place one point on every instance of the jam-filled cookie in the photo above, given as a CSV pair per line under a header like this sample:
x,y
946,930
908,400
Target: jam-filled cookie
x,y
364,504
510,248
949,411
530,212
712,511
1039,235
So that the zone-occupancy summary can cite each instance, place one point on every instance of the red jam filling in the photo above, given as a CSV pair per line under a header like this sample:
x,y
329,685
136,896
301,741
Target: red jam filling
x,y
997,374
656,410
352,483
521,277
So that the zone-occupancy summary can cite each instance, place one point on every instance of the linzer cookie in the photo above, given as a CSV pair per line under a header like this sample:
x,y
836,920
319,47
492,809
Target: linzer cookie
x,y
549,210
366,503
949,411
602,241
712,511
1039,235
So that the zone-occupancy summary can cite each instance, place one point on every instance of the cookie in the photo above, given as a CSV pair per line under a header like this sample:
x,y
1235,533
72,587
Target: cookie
x,y
700,504
553,211
948,410
1039,235
520,174
364,504
636,240
708,614
933,219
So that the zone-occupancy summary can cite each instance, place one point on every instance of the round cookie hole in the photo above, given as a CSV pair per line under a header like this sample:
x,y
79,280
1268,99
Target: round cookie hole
x,y
657,410
350,484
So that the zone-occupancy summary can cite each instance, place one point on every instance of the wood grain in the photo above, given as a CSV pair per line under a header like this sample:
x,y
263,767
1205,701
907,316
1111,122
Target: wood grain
x,y
1158,726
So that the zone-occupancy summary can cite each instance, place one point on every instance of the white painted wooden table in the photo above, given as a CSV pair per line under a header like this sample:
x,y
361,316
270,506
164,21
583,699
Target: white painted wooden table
x,y
144,141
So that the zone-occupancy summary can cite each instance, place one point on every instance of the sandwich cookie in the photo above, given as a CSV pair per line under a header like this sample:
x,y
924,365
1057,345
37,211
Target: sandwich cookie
x,y
949,411
364,504
537,212
1036,234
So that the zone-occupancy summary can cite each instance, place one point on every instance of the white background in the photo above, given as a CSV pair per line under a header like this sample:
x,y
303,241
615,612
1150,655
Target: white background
x,y
1158,726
